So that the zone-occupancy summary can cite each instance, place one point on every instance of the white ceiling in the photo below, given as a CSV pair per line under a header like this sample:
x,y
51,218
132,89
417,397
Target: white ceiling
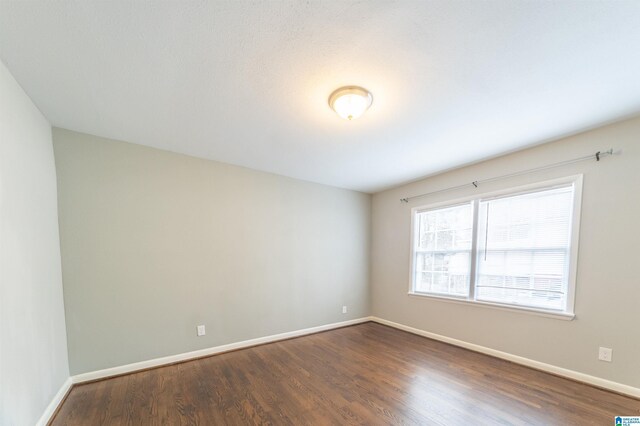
x,y
247,82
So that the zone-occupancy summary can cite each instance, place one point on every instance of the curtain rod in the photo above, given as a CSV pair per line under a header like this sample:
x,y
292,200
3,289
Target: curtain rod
x,y
597,156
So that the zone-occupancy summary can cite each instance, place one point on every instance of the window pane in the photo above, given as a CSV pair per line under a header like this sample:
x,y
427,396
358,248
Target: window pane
x,y
451,277
443,251
523,249
528,298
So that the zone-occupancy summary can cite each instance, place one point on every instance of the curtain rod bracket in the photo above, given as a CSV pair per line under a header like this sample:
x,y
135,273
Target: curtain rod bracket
x,y
475,183
598,156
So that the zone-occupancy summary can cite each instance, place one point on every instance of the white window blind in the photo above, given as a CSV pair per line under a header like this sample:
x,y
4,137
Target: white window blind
x,y
523,249
443,250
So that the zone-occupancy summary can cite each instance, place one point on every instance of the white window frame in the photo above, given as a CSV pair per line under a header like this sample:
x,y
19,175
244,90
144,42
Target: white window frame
x,y
569,312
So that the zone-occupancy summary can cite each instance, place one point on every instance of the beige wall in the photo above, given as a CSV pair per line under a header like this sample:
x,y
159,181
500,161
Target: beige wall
x,y
608,282
155,243
33,346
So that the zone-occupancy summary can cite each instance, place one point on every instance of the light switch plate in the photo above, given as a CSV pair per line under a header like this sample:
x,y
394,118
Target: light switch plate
x,y
201,330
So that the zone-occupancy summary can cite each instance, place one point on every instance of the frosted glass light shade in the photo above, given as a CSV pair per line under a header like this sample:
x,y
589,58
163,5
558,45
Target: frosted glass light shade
x,y
350,102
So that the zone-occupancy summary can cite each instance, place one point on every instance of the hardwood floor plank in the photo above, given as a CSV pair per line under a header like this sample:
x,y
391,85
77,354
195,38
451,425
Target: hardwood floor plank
x,y
363,374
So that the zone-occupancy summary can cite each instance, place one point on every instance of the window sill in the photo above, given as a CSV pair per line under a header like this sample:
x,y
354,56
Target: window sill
x,y
521,310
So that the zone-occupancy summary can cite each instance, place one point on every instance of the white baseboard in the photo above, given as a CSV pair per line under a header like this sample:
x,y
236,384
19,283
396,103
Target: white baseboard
x,y
55,402
129,368
570,374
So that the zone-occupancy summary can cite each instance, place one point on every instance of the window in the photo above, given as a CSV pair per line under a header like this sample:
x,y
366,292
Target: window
x,y
515,249
443,250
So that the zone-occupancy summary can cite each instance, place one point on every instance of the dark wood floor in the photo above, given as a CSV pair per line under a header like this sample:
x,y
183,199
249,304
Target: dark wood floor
x,y
364,374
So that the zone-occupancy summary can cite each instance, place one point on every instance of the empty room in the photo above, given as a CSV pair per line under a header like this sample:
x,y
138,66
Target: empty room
x,y
319,212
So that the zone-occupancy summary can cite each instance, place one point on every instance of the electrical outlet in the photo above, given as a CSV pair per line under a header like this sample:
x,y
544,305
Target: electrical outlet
x,y
344,309
605,354
201,330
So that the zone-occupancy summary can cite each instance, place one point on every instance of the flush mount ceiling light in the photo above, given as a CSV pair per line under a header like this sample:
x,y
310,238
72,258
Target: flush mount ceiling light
x,y
350,102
